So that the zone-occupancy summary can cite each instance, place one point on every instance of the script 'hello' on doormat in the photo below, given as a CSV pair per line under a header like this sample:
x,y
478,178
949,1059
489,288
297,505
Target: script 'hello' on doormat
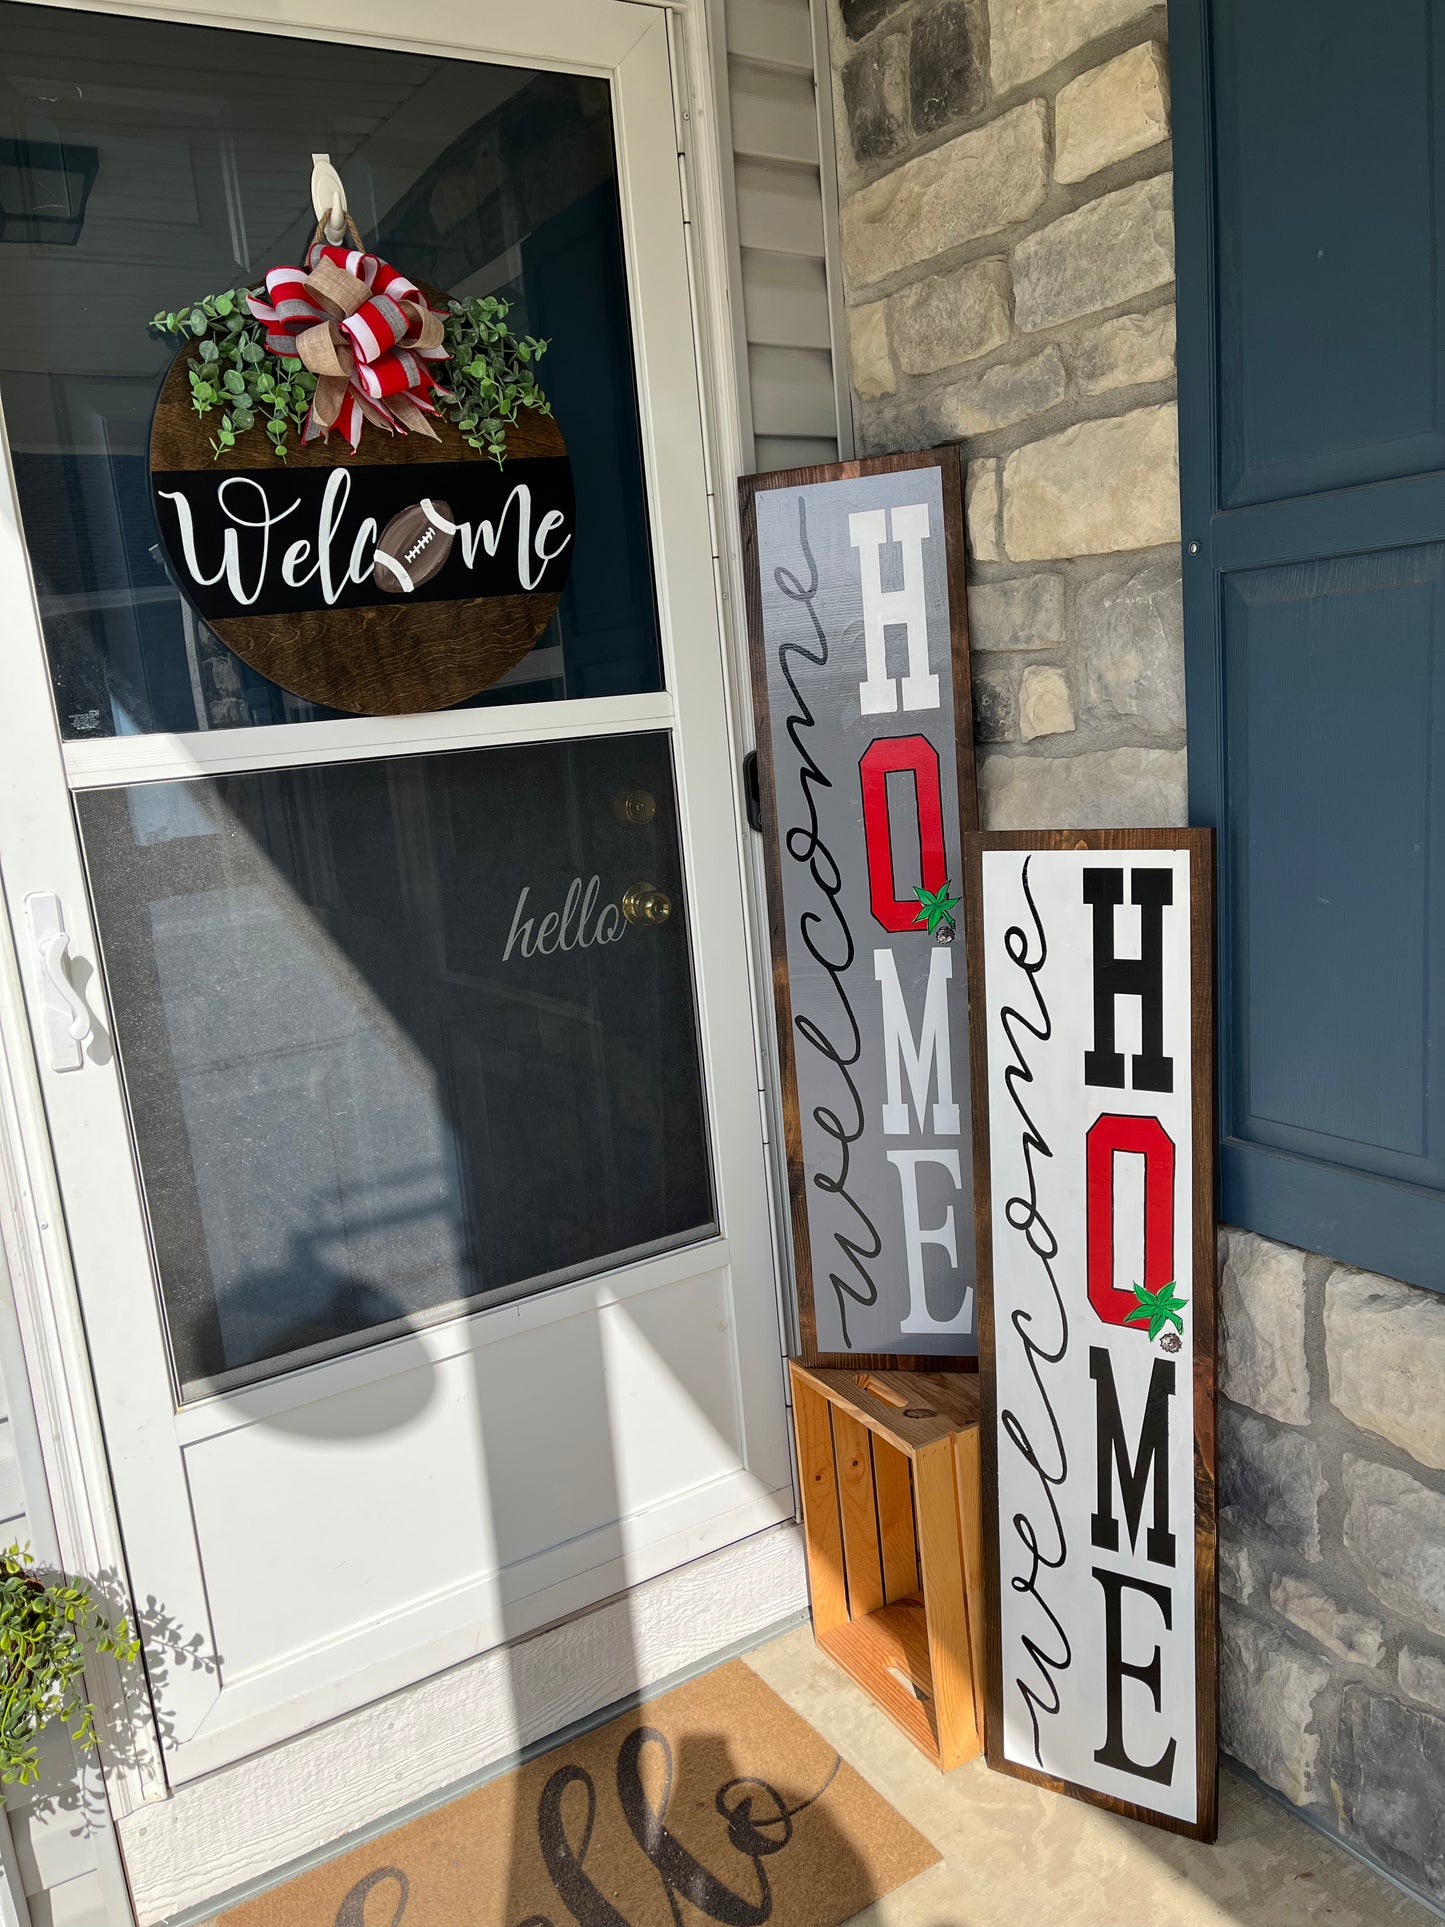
x,y
716,1794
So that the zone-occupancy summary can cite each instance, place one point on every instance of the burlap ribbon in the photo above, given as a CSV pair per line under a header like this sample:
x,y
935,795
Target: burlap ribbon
x,y
366,333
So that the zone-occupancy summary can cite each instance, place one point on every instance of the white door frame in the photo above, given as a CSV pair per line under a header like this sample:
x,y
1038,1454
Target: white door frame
x,y
698,332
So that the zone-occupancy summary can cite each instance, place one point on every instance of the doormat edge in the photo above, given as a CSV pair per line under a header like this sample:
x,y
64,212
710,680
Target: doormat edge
x,y
208,1910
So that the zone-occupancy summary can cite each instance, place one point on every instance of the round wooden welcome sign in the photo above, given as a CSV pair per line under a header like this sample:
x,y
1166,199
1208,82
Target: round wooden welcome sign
x,y
406,573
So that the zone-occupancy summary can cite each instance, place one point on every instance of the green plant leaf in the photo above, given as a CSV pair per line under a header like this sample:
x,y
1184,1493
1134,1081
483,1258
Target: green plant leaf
x,y
1159,1309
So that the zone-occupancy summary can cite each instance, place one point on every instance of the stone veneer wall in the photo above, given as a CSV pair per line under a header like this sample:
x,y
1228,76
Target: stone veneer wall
x,y
1007,247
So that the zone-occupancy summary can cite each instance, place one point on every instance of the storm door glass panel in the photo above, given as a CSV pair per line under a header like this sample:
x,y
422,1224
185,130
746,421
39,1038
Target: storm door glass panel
x,y
144,165
391,1043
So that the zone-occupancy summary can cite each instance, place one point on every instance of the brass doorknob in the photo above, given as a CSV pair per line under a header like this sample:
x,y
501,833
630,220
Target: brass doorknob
x,y
645,903
634,806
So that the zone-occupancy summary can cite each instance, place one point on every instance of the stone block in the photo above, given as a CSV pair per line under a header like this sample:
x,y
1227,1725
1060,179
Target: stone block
x,y
1270,1481
972,186
1395,1537
1026,613
1126,352
1027,37
1109,251
945,70
1385,1348
1389,1764
980,511
1267,1692
860,17
1104,789
1353,1637
1422,1676
1095,488
951,318
1262,1326
995,397
993,702
1111,112
1045,708
868,350
875,99
1237,1576
1129,629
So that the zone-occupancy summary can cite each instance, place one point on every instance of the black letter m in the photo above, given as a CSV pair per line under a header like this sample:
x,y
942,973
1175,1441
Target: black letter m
x,y
1141,977
1150,1462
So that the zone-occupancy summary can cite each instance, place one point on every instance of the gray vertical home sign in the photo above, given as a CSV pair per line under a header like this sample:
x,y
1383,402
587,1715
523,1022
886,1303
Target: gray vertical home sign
x,y
859,635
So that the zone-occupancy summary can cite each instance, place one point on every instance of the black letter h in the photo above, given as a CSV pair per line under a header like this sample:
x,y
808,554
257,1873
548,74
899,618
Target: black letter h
x,y
1141,977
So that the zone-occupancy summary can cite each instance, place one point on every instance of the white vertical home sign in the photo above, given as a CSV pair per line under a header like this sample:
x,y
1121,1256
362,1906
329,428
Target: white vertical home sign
x,y
1090,972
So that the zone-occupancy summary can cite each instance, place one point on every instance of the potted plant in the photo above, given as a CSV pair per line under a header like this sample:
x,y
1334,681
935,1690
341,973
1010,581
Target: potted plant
x,y
48,1629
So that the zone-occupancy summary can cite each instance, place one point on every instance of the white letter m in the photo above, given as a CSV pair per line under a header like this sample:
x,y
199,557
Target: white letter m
x,y
929,1058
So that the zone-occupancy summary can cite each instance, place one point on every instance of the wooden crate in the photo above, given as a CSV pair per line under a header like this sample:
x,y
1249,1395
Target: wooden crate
x,y
891,1481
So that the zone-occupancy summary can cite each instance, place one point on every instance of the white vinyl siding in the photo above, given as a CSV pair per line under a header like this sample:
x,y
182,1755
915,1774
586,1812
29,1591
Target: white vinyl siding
x,y
780,197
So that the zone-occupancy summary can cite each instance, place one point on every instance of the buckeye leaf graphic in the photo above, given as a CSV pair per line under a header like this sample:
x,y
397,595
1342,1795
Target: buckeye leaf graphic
x,y
937,906
1159,1309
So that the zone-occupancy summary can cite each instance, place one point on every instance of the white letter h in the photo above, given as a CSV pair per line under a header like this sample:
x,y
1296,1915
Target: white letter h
x,y
868,530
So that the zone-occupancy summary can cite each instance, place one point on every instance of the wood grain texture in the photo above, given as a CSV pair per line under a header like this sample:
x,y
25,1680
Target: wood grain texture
x,y
933,1404
1200,845
897,1533
968,1479
391,659
940,1562
949,463
883,1652
858,1507
913,1653
822,1531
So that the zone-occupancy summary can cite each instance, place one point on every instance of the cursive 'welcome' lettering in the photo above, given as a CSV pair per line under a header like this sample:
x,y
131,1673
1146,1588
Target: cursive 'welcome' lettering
x,y
759,1824
1049,1652
824,932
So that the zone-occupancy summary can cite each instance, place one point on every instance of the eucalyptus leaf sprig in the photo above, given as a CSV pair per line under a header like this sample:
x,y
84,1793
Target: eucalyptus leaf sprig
x,y
48,1630
486,381
489,378
235,372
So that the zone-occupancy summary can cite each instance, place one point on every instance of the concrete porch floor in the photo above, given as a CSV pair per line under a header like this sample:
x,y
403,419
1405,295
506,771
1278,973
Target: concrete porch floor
x,y
1014,1855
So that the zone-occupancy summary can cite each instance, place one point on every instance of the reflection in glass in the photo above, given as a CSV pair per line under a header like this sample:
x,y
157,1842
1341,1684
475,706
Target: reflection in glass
x,y
389,1042
180,158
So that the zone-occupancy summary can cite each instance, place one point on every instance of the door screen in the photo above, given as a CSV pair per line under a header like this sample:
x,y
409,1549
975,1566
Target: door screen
x,y
391,1040
144,165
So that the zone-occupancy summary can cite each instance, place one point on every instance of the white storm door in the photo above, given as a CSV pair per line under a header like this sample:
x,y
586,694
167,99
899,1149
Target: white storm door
x,y
416,1197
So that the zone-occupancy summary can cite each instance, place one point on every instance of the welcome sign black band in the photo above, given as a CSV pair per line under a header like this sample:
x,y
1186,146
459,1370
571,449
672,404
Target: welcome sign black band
x,y
280,541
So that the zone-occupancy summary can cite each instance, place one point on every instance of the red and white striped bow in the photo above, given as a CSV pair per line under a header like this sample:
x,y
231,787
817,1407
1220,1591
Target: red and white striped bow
x,y
366,333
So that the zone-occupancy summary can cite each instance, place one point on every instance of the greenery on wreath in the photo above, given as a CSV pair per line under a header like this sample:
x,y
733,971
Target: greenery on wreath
x,y
489,377
47,1632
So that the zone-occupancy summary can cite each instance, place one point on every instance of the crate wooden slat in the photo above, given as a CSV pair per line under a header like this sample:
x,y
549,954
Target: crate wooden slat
x,y
889,1466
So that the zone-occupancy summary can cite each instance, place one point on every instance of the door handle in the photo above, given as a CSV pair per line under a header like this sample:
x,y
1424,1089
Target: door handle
x,y
65,1021
645,904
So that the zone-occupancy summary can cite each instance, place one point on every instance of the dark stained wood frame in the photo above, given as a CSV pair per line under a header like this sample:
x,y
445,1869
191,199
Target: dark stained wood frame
x,y
1200,845
949,464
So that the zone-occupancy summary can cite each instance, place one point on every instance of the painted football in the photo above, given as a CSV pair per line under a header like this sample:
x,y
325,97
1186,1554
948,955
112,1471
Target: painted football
x,y
412,547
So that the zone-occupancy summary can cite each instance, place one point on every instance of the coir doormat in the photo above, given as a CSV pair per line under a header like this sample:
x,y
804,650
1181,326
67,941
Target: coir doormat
x,y
714,1803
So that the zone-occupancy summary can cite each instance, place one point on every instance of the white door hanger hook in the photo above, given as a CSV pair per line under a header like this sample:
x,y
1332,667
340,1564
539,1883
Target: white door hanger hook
x,y
328,197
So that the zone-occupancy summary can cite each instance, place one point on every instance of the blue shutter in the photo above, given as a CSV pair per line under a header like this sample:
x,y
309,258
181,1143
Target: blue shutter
x,y
1310,198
